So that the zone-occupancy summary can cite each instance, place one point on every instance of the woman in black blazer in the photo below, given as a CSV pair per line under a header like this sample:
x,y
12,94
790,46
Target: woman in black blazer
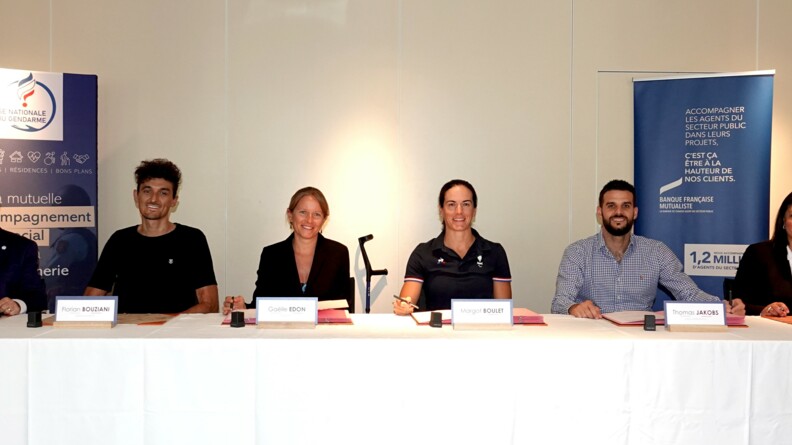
x,y
764,277
306,263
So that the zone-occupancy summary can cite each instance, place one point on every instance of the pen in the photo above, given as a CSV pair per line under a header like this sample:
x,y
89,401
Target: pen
x,y
404,300
730,298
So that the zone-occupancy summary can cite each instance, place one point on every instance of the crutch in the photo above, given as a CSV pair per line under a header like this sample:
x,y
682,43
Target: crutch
x,y
369,271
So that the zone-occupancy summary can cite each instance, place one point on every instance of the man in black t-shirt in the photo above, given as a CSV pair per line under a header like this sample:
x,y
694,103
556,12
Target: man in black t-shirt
x,y
157,266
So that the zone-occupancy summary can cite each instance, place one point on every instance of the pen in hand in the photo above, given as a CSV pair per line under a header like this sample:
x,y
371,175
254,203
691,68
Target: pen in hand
x,y
404,300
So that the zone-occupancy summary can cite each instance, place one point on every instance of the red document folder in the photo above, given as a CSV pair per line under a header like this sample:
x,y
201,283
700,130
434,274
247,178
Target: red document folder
x,y
787,319
334,316
526,316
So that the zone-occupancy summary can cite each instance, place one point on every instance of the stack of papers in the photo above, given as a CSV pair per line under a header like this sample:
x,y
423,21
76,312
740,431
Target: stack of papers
x,y
332,304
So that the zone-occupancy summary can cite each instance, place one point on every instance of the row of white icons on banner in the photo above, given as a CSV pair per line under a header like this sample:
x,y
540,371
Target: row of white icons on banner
x,y
49,157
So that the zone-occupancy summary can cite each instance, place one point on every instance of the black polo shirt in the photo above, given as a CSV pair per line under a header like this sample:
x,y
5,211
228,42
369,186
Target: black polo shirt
x,y
445,276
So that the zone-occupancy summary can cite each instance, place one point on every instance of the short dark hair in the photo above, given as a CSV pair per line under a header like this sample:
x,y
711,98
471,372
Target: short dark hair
x,y
453,183
780,236
158,169
617,184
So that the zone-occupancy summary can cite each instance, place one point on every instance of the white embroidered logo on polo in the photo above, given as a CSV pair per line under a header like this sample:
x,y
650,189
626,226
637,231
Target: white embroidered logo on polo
x,y
479,262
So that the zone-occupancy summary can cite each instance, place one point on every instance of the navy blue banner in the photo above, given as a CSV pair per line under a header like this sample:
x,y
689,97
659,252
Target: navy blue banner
x,y
702,169
48,177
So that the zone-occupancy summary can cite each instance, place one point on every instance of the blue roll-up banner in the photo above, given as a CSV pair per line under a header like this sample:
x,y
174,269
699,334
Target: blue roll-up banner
x,y
48,182
702,169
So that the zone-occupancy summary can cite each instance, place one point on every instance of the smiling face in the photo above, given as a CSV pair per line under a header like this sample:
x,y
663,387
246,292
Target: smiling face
x,y
307,218
617,212
458,211
154,199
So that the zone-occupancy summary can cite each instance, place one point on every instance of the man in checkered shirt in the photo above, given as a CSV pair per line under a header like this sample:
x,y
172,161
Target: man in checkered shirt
x,y
615,270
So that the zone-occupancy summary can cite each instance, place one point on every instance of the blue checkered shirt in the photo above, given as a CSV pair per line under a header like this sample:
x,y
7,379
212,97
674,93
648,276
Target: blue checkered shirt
x,y
589,271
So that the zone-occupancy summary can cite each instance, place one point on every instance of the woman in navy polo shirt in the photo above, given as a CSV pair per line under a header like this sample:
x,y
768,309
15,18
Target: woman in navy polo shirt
x,y
459,263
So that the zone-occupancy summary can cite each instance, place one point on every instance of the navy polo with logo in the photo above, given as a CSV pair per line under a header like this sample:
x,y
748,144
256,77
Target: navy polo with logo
x,y
446,276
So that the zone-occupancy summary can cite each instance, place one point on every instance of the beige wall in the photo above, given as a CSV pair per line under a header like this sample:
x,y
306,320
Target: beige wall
x,y
378,102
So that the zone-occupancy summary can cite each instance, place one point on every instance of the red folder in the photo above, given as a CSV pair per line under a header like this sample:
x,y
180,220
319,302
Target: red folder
x,y
526,316
335,316
787,319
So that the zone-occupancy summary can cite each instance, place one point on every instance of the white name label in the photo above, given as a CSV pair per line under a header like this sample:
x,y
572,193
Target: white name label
x,y
89,309
286,310
686,313
489,312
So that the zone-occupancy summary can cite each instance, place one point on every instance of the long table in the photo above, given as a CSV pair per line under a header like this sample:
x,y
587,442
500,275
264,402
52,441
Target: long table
x,y
385,380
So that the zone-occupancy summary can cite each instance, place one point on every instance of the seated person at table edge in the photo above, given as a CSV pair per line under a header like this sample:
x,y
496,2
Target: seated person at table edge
x,y
459,263
157,266
306,264
764,279
616,271
21,286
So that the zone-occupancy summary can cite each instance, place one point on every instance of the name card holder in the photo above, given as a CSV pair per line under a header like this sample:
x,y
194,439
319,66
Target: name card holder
x,y
286,312
482,315
686,316
86,312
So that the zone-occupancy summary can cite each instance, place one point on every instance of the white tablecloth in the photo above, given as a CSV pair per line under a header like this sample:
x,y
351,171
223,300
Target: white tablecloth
x,y
386,381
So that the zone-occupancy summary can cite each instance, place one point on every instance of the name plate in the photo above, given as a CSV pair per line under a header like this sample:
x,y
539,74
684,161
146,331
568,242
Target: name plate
x,y
481,314
286,312
690,316
86,312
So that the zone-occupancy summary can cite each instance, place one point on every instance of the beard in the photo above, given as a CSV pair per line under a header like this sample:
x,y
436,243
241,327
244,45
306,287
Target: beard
x,y
618,231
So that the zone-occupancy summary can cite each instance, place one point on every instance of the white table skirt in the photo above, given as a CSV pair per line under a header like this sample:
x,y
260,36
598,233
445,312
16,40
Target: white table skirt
x,y
386,381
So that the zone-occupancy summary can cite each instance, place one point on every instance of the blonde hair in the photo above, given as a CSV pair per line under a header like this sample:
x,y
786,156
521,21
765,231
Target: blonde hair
x,y
314,193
